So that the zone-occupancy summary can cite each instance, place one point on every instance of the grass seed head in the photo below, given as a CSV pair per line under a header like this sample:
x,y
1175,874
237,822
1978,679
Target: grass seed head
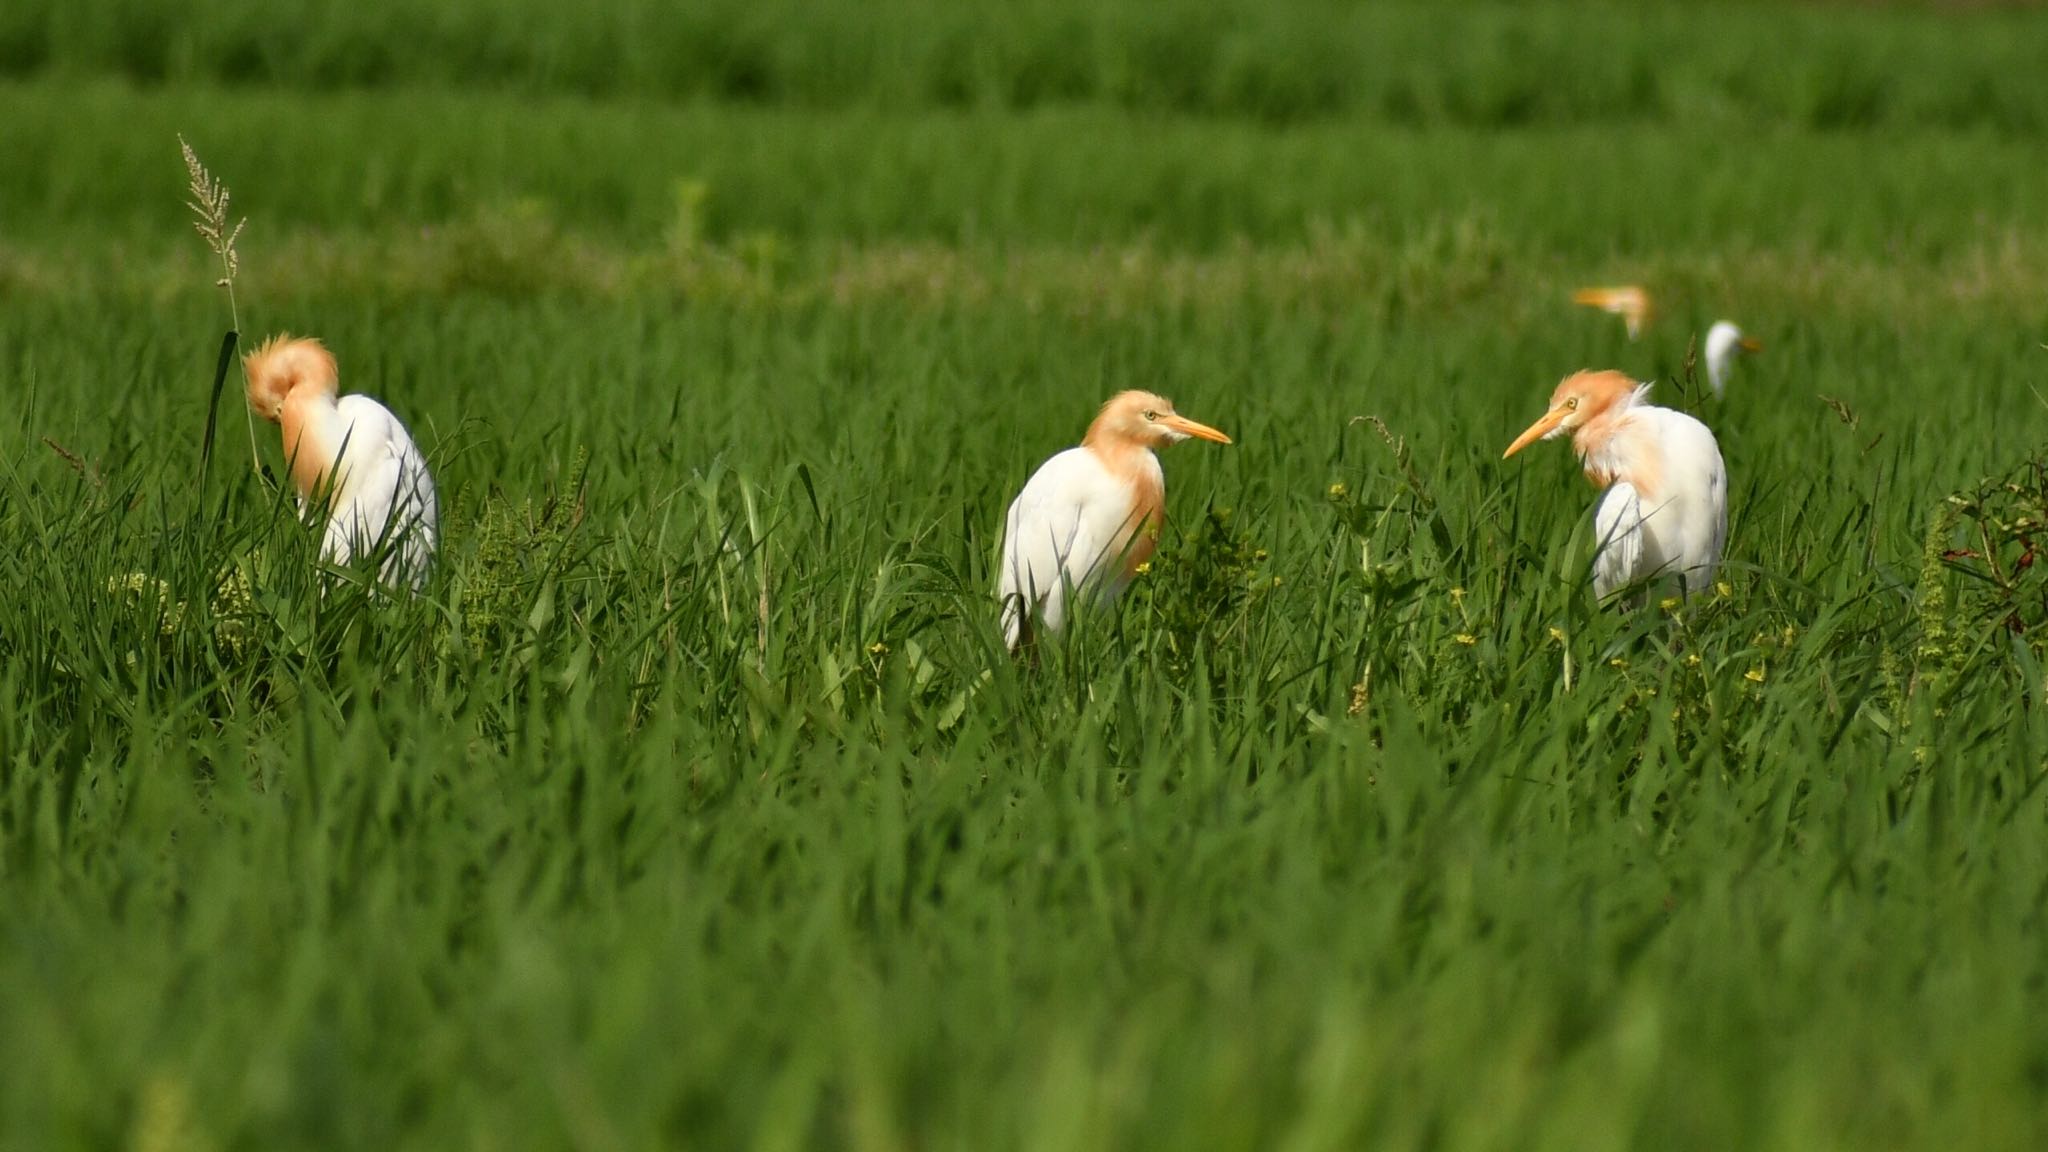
x,y
209,203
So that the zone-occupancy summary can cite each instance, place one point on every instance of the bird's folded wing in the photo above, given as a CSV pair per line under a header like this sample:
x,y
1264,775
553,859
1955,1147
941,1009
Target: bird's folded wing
x,y
1618,536
385,490
1046,550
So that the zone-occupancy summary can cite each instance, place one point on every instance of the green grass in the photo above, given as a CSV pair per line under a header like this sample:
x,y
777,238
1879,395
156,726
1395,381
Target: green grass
x,y
1479,63
695,804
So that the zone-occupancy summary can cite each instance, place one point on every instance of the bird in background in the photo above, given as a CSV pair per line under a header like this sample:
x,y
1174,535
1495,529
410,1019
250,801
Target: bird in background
x,y
1724,343
1631,302
351,453
1090,515
1664,508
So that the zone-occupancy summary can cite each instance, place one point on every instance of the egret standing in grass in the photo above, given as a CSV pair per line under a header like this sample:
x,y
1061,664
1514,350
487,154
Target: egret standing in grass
x,y
1665,508
1631,302
351,452
1724,343
1090,515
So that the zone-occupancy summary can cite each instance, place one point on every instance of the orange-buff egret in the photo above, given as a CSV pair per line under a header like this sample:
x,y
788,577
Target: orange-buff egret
x,y
1724,343
1628,301
1090,515
351,452
1665,508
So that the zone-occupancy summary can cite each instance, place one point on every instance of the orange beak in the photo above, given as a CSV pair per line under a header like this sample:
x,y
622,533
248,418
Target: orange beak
x,y
1538,430
1187,427
1749,345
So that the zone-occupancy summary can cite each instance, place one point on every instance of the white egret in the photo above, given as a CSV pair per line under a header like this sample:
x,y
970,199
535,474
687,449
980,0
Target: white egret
x,y
1665,506
1724,343
351,452
1090,515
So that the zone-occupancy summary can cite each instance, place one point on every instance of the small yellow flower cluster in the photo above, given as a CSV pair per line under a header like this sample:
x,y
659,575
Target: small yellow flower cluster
x,y
171,612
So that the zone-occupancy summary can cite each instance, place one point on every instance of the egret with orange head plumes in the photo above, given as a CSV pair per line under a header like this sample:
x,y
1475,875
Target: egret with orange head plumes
x,y
351,453
1664,510
1631,302
1090,515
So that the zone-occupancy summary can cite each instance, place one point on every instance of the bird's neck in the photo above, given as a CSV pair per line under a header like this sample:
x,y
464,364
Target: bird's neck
x,y
1120,454
1135,466
1612,448
307,420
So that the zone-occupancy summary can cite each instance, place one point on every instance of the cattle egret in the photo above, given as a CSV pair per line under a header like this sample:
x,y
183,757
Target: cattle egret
x,y
1724,343
1628,301
351,452
1665,508
1090,515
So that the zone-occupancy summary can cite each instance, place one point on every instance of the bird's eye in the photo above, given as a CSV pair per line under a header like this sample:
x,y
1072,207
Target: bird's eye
x,y
1151,415
1571,404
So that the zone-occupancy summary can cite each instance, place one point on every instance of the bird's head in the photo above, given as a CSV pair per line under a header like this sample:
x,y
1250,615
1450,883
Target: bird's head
x,y
1631,302
1725,339
1582,397
1144,420
282,365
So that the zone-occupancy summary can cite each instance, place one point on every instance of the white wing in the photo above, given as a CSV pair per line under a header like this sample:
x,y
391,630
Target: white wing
x,y
1064,531
1690,526
383,495
1618,536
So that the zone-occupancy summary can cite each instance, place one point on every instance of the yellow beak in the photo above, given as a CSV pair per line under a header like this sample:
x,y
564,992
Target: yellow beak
x,y
1750,345
1187,427
1537,431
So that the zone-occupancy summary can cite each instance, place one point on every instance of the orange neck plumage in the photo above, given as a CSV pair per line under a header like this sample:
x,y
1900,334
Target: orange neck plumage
x,y
303,421
1610,449
1136,466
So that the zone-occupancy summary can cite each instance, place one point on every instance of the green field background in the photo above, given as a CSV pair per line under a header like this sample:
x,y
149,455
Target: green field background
x,y
695,803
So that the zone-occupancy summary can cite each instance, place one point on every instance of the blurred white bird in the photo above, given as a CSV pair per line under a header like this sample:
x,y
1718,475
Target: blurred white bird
x,y
1725,342
1090,515
1631,302
351,452
1665,508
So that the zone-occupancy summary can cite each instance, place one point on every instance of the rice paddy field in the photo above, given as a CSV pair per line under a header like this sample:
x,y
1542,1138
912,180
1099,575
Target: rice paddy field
x,y
696,803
